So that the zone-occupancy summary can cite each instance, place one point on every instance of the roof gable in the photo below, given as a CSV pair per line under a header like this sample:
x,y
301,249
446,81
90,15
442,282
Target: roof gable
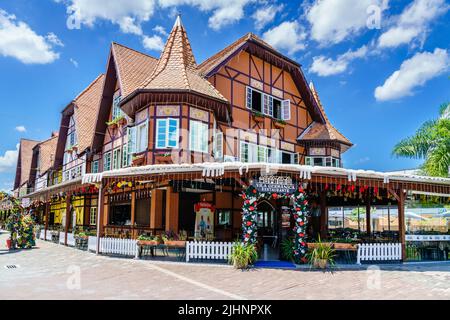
x,y
24,159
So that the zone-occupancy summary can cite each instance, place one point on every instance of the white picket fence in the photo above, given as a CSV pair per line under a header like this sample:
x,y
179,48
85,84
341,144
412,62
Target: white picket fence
x,y
379,252
127,247
92,243
62,236
208,250
42,235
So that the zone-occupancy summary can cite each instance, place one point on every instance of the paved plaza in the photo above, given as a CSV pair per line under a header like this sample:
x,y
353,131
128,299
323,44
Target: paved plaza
x,y
52,271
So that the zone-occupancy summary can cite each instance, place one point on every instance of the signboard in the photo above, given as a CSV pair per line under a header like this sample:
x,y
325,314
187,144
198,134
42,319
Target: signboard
x,y
204,219
427,237
274,184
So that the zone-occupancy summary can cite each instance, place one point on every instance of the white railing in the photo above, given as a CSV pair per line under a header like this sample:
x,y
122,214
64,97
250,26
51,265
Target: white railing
x,y
379,252
42,235
71,239
62,236
49,235
208,250
127,247
92,244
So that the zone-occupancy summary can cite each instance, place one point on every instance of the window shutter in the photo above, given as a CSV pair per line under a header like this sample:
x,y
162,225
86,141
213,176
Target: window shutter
x,y
249,98
218,145
131,140
144,137
286,109
270,106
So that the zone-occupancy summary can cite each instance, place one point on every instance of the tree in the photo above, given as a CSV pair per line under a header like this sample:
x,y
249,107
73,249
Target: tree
x,y
431,142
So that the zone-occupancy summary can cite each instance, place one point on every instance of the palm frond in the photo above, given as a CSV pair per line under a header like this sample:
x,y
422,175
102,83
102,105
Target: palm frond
x,y
438,161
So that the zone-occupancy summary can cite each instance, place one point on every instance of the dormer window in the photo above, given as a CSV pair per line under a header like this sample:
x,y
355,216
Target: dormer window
x,y
116,111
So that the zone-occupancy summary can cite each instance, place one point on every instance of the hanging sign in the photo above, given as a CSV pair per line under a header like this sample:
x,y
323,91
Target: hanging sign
x,y
274,184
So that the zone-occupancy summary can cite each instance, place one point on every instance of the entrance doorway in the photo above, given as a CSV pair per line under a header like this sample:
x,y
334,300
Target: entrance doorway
x,y
267,221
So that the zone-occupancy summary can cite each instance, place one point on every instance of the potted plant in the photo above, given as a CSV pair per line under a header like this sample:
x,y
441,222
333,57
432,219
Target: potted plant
x,y
287,249
258,116
322,255
243,255
81,240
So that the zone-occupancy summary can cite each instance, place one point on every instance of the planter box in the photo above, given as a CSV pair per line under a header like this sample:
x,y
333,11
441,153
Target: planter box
x,y
138,161
258,118
148,243
175,243
279,125
163,159
344,246
312,245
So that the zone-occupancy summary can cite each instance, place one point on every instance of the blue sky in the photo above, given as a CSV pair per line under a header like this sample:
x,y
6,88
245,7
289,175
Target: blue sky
x,y
381,67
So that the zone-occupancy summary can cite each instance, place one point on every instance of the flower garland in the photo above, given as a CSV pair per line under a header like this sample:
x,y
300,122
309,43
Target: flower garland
x,y
249,228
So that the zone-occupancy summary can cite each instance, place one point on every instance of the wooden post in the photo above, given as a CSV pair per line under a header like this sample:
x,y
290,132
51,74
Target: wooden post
x,y
133,213
368,224
100,206
171,210
68,204
47,208
323,215
156,209
401,221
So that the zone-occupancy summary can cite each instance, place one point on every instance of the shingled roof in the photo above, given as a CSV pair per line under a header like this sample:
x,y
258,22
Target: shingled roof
x,y
87,104
323,131
47,150
177,70
24,161
133,67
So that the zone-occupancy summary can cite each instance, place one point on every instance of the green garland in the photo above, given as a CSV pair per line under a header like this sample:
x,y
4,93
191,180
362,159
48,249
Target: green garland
x,y
249,228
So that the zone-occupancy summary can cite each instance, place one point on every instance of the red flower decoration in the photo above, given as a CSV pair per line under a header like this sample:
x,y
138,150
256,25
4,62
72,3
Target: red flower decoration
x,y
302,235
251,208
302,223
305,202
254,190
297,209
338,187
274,195
247,235
247,201
249,223
303,244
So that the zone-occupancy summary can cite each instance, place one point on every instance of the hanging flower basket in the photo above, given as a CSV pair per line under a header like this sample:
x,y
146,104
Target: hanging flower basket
x,y
122,121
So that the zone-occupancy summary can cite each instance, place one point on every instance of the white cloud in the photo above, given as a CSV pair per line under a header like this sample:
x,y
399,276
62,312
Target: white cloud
x,y
128,14
21,129
160,30
324,66
9,160
412,23
153,43
74,62
265,15
289,36
333,21
414,72
53,38
19,41
224,12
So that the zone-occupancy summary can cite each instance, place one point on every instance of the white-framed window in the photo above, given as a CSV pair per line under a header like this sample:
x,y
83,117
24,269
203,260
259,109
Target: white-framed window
x,y
198,136
126,158
262,154
218,145
167,133
71,134
116,111
322,161
116,159
273,155
107,161
288,157
138,138
248,152
95,166
93,216
267,104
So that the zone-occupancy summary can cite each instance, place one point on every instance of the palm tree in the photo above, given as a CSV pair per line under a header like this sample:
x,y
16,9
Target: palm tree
x,y
431,142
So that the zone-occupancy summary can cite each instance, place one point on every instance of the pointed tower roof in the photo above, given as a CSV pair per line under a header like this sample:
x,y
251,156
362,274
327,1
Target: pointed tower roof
x,y
177,70
323,131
